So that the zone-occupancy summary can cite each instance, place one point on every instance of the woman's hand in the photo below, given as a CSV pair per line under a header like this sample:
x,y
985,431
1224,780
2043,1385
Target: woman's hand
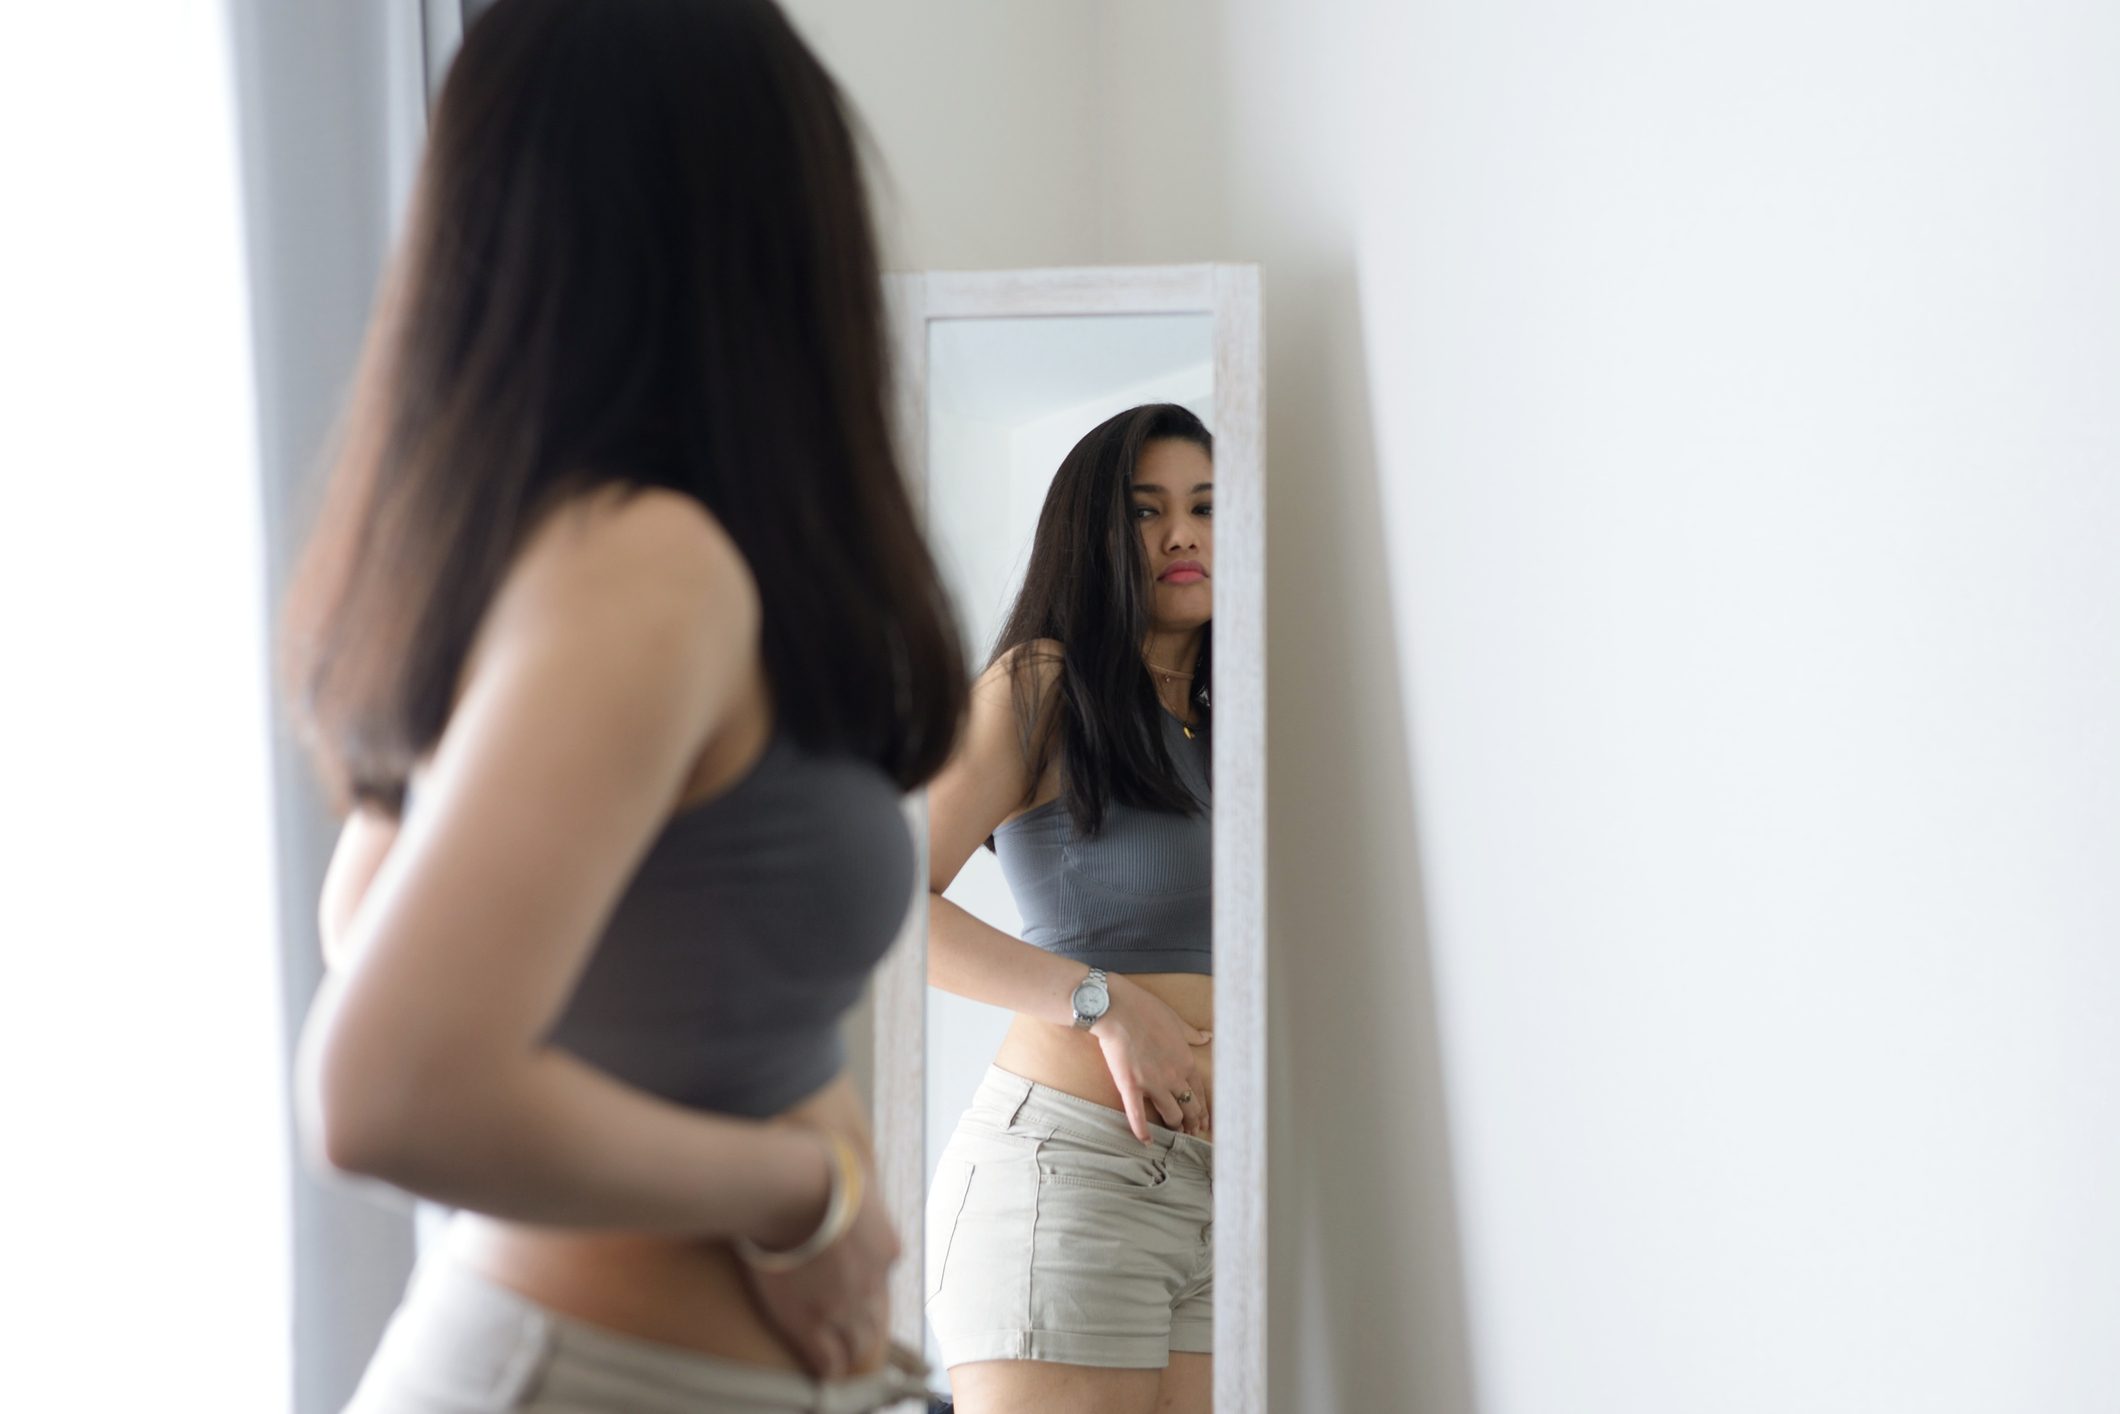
x,y
832,1308
1149,1048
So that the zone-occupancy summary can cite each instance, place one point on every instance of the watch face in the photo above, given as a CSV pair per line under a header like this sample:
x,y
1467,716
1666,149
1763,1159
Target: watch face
x,y
1091,999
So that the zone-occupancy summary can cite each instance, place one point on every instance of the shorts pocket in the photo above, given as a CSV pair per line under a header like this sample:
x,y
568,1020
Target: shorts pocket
x,y
945,1206
1079,1165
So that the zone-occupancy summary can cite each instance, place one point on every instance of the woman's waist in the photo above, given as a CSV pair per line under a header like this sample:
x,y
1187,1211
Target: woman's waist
x,y
1070,1060
1073,1062
690,1292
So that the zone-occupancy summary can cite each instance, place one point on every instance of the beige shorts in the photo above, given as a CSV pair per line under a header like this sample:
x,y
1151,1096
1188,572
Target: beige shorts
x,y
1054,1234
463,1344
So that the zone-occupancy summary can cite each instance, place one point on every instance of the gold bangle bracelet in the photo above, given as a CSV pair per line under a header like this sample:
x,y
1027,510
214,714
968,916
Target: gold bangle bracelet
x,y
840,1210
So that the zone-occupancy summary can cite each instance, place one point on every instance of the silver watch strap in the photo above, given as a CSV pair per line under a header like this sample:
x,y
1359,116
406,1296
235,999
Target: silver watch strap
x,y
1097,975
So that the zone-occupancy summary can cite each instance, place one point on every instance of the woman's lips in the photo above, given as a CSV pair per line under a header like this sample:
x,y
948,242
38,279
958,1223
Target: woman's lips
x,y
1184,574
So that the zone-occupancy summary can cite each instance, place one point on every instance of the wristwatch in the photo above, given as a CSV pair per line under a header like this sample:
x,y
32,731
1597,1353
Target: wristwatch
x,y
1092,999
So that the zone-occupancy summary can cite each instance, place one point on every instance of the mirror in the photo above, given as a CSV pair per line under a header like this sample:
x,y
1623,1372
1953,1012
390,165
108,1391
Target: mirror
x,y
1053,418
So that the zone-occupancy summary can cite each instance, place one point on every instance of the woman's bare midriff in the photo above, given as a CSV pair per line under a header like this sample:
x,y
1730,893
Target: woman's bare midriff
x,y
1073,1061
679,1291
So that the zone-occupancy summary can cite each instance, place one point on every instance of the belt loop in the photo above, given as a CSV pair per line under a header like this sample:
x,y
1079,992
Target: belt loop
x,y
1022,1100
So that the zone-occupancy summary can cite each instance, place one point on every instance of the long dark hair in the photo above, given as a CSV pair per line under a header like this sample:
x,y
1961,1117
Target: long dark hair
x,y
638,253
1087,587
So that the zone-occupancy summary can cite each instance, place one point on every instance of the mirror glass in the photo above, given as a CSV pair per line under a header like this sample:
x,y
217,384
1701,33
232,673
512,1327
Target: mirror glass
x,y
1007,401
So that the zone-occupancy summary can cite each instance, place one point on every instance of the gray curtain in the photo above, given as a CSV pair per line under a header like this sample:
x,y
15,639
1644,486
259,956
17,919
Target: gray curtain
x,y
332,100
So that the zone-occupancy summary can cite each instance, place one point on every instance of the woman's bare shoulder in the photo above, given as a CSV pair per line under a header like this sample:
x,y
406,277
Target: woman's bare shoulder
x,y
1040,661
635,538
613,565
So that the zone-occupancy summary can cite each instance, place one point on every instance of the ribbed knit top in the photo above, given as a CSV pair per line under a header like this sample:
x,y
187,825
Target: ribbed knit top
x,y
748,929
1137,896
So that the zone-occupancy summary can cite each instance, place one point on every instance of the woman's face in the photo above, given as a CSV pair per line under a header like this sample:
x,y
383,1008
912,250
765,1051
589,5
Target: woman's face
x,y
1173,499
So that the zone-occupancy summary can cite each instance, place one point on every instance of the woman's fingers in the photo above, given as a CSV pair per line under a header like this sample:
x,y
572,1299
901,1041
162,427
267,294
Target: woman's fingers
x,y
1167,1106
1196,1113
1131,1097
828,1353
860,1334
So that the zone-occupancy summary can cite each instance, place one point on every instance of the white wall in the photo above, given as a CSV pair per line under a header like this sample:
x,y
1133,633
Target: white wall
x,y
1748,476
984,111
1693,674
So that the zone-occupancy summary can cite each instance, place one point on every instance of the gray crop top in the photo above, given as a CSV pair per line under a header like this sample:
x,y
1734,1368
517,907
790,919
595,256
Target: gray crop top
x,y
1135,898
747,931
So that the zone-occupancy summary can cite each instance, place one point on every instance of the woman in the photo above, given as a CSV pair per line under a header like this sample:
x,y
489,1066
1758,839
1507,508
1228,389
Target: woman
x,y
1069,1239
620,639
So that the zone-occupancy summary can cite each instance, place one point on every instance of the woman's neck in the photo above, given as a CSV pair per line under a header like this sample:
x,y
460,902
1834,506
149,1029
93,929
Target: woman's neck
x,y
1172,650
1171,658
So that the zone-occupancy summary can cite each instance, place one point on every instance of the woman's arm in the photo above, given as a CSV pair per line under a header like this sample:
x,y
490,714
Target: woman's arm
x,y
619,643
364,841
987,778
363,844
972,958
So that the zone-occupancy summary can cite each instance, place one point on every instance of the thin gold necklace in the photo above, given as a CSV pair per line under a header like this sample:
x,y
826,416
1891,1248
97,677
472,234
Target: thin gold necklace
x,y
1174,673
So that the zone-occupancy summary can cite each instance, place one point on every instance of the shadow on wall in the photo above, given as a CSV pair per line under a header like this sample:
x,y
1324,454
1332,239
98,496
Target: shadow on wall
x,y
1367,1272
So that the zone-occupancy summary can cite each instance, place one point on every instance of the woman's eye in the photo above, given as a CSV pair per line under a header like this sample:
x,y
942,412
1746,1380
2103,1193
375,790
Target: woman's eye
x,y
1203,510
1140,511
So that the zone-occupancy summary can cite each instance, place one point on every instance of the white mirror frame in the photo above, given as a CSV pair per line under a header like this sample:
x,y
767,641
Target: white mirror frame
x,y
1229,293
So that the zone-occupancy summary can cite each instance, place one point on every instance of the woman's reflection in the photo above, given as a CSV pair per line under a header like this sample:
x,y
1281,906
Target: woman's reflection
x,y
1070,1227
